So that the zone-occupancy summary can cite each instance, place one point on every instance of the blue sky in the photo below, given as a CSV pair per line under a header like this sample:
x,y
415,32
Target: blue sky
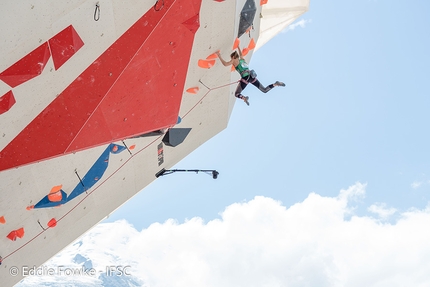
x,y
355,109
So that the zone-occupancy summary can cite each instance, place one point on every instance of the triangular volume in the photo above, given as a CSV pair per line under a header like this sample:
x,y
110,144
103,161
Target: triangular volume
x,y
27,68
246,17
193,24
6,102
52,199
64,45
175,136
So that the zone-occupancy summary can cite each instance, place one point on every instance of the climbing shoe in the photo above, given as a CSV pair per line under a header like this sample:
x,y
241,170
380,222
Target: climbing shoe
x,y
277,83
245,99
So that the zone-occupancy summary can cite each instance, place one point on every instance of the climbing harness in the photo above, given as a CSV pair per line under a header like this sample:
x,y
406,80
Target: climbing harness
x,y
247,79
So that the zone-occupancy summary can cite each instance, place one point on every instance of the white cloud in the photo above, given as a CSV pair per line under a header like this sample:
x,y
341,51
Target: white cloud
x,y
302,23
416,184
263,243
381,210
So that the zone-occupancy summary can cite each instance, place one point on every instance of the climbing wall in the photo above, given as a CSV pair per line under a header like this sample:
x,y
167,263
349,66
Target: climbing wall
x,y
96,98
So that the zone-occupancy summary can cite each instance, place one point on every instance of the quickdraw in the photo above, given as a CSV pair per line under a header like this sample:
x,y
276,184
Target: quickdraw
x,y
155,5
97,12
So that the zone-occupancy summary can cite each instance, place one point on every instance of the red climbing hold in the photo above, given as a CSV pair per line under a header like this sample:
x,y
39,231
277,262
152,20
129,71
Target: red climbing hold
x,y
52,223
16,233
193,90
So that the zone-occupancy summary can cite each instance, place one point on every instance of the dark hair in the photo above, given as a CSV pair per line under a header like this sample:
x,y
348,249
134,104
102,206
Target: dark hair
x,y
234,55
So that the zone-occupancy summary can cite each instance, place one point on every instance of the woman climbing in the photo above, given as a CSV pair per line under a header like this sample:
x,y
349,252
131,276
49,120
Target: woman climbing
x,y
247,75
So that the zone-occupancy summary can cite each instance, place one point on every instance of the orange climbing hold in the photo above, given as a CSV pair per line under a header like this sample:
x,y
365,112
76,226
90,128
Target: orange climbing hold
x,y
245,51
132,147
12,235
55,197
52,223
2,220
193,90
262,2
115,148
16,233
56,188
236,43
212,56
233,68
20,232
206,64
251,44
30,207
55,193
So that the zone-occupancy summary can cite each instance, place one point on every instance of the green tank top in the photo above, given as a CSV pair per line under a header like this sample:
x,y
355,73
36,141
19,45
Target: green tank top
x,y
242,68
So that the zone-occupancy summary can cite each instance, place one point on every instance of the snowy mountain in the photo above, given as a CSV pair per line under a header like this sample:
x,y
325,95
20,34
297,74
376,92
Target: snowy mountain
x,y
93,260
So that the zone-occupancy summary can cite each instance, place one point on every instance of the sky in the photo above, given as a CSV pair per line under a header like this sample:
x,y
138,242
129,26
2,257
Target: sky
x,y
355,109
325,182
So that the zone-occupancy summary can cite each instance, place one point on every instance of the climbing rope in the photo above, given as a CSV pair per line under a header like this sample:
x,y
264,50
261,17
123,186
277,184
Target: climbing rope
x,y
204,96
